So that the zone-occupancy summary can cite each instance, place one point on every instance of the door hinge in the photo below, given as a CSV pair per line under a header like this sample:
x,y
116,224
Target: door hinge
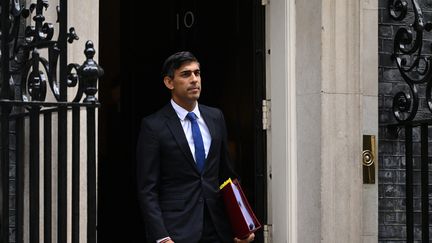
x,y
266,109
264,2
267,233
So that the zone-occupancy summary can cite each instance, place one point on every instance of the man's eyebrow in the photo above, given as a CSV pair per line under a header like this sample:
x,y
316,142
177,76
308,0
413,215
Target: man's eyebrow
x,y
189,71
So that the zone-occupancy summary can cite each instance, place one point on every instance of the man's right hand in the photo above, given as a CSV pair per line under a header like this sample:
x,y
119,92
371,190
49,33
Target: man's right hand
x,y
166,240
250,238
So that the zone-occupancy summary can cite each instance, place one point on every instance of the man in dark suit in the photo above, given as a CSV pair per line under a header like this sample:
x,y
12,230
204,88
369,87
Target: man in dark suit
x,y
182,159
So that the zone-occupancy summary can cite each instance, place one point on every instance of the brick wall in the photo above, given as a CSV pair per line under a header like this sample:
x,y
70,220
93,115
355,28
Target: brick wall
x,y
392,145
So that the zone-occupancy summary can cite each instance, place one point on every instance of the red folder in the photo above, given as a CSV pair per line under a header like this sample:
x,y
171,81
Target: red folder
x,y
242,218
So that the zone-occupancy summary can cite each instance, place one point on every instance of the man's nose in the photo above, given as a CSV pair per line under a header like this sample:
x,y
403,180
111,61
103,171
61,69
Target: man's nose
x,y
194,78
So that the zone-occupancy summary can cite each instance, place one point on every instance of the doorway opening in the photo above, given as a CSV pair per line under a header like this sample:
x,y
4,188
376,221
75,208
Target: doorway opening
x,y
135,38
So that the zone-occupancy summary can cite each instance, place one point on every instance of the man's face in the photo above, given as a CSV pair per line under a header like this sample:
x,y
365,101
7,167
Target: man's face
x,y
185,86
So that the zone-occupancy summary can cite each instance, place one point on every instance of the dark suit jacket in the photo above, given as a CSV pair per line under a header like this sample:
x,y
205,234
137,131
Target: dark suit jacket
x,y
171,191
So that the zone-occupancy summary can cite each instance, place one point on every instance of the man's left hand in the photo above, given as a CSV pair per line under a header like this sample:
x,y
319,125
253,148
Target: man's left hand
x,y
250,238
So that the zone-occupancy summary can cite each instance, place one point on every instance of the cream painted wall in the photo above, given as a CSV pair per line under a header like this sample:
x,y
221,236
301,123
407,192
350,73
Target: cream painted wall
x,y
341,123
84,16
369,84
308,113
322,82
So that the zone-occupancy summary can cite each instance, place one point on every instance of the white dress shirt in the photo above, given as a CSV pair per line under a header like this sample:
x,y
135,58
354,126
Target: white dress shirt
x,y
187,127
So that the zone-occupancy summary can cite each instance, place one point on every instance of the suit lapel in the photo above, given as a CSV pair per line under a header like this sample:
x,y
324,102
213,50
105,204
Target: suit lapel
x,y
205,113
176,129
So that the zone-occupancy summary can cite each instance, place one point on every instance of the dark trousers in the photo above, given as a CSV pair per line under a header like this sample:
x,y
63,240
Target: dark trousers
x,y
209,231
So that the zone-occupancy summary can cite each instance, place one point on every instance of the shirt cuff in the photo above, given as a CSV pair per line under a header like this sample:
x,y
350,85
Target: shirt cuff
x,y
163,240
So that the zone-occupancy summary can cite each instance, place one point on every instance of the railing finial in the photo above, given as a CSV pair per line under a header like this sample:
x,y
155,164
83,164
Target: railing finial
x,y
89,73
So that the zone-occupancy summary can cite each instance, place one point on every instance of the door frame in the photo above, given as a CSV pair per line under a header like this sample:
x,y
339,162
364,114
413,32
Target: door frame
x,y
282,145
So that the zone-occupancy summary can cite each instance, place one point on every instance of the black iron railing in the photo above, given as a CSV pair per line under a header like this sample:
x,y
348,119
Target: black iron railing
x,y
26,78
414,64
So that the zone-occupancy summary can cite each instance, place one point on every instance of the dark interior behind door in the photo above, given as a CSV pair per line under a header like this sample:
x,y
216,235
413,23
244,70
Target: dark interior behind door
x,y
228,39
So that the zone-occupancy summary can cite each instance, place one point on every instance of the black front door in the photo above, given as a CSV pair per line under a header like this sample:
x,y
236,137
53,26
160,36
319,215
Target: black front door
x,y
227,38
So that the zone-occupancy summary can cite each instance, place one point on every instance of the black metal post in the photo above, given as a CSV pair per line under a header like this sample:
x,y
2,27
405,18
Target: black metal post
x,y
89,73
47,177
5,75
19,203
62,127
5,111
62,175
62,43
4,170
75,174
91,175
424,183
34,175
409,184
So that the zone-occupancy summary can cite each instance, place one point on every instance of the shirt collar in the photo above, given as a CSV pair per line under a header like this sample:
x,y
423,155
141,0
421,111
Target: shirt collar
x,y
182,112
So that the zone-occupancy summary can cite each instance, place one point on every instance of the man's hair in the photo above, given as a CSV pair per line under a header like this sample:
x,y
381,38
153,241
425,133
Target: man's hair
x,y
175,61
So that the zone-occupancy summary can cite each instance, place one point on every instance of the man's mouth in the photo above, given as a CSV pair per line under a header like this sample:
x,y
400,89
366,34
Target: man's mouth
x,y
193,88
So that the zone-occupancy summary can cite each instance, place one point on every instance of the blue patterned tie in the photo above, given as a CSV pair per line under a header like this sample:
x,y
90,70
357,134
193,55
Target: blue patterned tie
x,y
198,141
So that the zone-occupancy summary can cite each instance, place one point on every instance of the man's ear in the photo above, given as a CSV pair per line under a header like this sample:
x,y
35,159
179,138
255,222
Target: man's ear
x,y
168,82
